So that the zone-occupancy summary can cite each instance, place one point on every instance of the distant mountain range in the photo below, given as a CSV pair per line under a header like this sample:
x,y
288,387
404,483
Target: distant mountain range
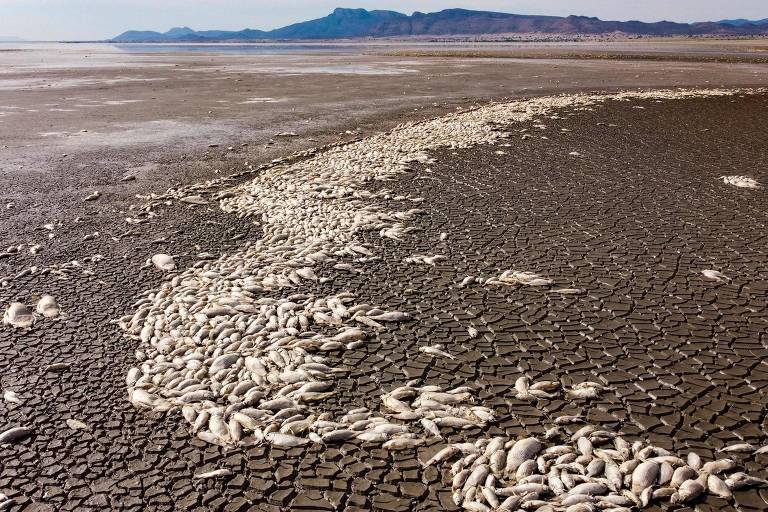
x,y
360,23
742,22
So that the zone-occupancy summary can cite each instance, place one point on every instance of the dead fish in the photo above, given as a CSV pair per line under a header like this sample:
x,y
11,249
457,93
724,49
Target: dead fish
x,y
740,181
444,454
568,419
196,200
430,427
714,275
18,315
436,350
644,476
76,424
718,466
549,386
738,448
213,474
14,434
573,499
57,367
338,436
402,443
478,475
394,404
391,316
718,487
510,504
475,506
372,436
738,481
48,307
276,404
688,491
682,474
523,450
11,397
589,489
285,440
568,291
164,262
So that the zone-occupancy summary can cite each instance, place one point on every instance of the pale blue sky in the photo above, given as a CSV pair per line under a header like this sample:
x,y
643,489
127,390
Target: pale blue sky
x,y
101,19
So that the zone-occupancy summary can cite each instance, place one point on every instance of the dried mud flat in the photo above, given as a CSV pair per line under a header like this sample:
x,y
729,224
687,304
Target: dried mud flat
x,y
621,202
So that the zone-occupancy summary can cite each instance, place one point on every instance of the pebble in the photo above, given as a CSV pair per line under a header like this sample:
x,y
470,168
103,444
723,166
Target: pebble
x,y
93,196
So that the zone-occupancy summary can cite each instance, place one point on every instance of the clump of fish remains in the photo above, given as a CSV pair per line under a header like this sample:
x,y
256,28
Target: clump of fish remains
x,y
587,471
248,348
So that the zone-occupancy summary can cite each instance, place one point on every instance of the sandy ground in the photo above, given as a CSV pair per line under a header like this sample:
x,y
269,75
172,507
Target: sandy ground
x,y
633,220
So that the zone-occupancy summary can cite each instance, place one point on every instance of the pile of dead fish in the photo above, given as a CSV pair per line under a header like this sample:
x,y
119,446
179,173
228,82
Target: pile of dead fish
x,y
243,341
517,278
548,390
588,471
246,365
740,181
435,408
407,408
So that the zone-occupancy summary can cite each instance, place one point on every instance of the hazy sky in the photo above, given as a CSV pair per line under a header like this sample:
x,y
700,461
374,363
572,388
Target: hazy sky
x,y
101,19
